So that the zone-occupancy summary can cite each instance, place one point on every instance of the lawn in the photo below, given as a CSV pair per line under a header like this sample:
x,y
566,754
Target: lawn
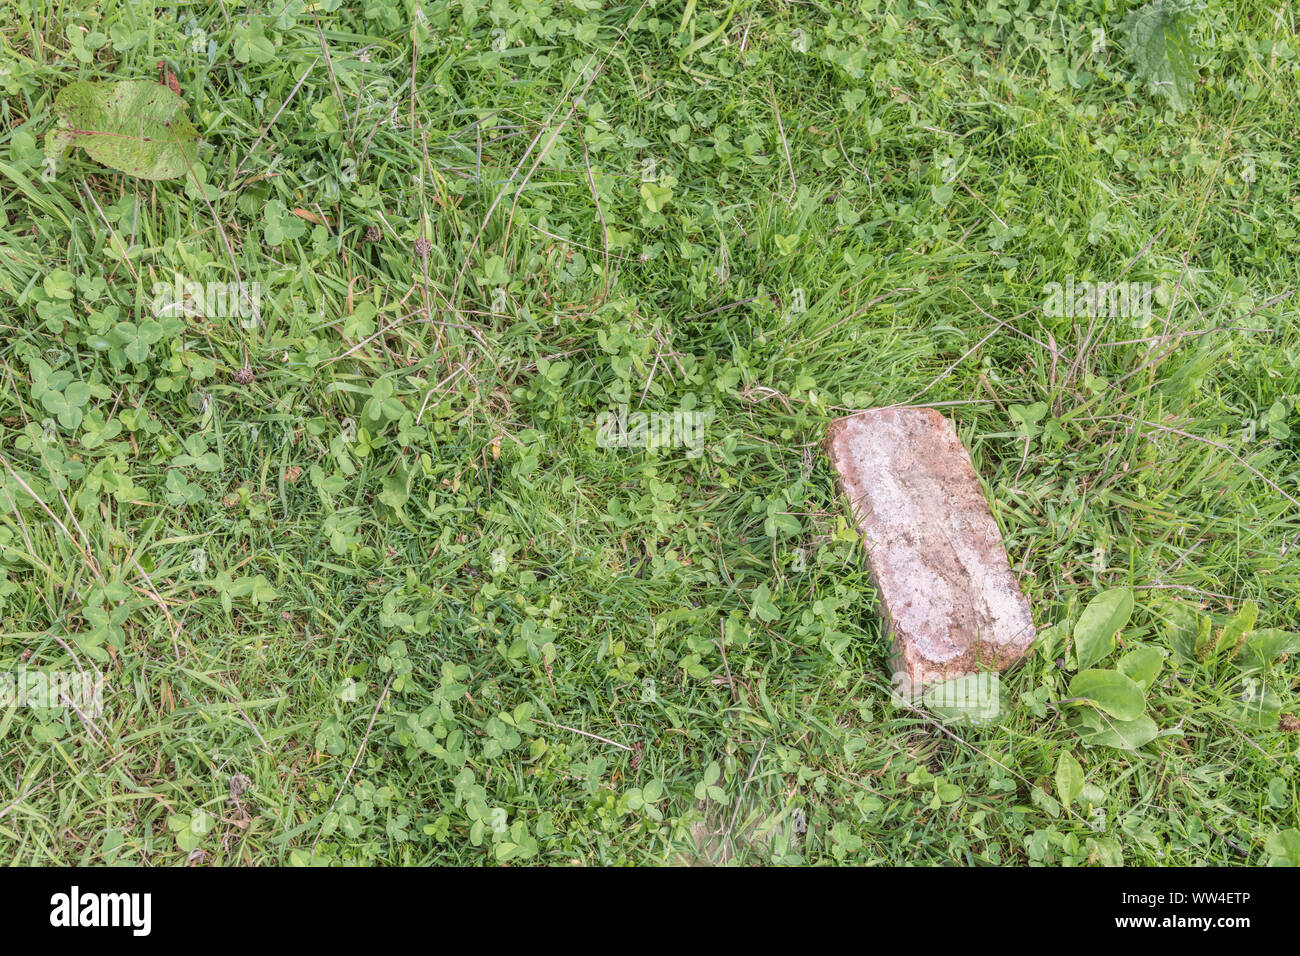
x,y
307,464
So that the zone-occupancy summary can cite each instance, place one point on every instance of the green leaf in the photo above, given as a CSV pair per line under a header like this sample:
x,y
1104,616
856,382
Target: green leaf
x,y
189,830
1178,624
136,126
1094,634
393,492
971,699
1069,778
763,605
68,404
1284,848
655,197
1142,665
1258,705
136,339
1044,801
495,272
1027,415
1242,623
1161,47
281,224
251,43
1098,730
1267,645
1110,691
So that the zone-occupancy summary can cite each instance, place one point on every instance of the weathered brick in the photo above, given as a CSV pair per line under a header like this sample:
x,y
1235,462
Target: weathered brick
x,y
948,595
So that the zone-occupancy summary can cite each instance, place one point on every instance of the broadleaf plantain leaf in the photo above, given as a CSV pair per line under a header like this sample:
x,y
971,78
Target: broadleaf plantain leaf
x,y
136,126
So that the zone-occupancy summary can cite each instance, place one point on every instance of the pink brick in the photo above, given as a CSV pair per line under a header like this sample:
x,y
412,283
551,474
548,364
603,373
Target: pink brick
x,y
950,600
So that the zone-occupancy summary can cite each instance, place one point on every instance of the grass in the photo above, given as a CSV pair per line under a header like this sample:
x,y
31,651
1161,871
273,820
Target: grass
x,y
390,601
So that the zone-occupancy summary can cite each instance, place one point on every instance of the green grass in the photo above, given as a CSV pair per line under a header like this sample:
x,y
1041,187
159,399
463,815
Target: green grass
x,y
470,634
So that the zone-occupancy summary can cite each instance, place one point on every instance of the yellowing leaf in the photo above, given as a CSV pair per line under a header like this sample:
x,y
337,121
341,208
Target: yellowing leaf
x,y
136,126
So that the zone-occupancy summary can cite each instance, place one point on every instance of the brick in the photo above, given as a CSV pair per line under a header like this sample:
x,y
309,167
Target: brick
x,y
950,601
